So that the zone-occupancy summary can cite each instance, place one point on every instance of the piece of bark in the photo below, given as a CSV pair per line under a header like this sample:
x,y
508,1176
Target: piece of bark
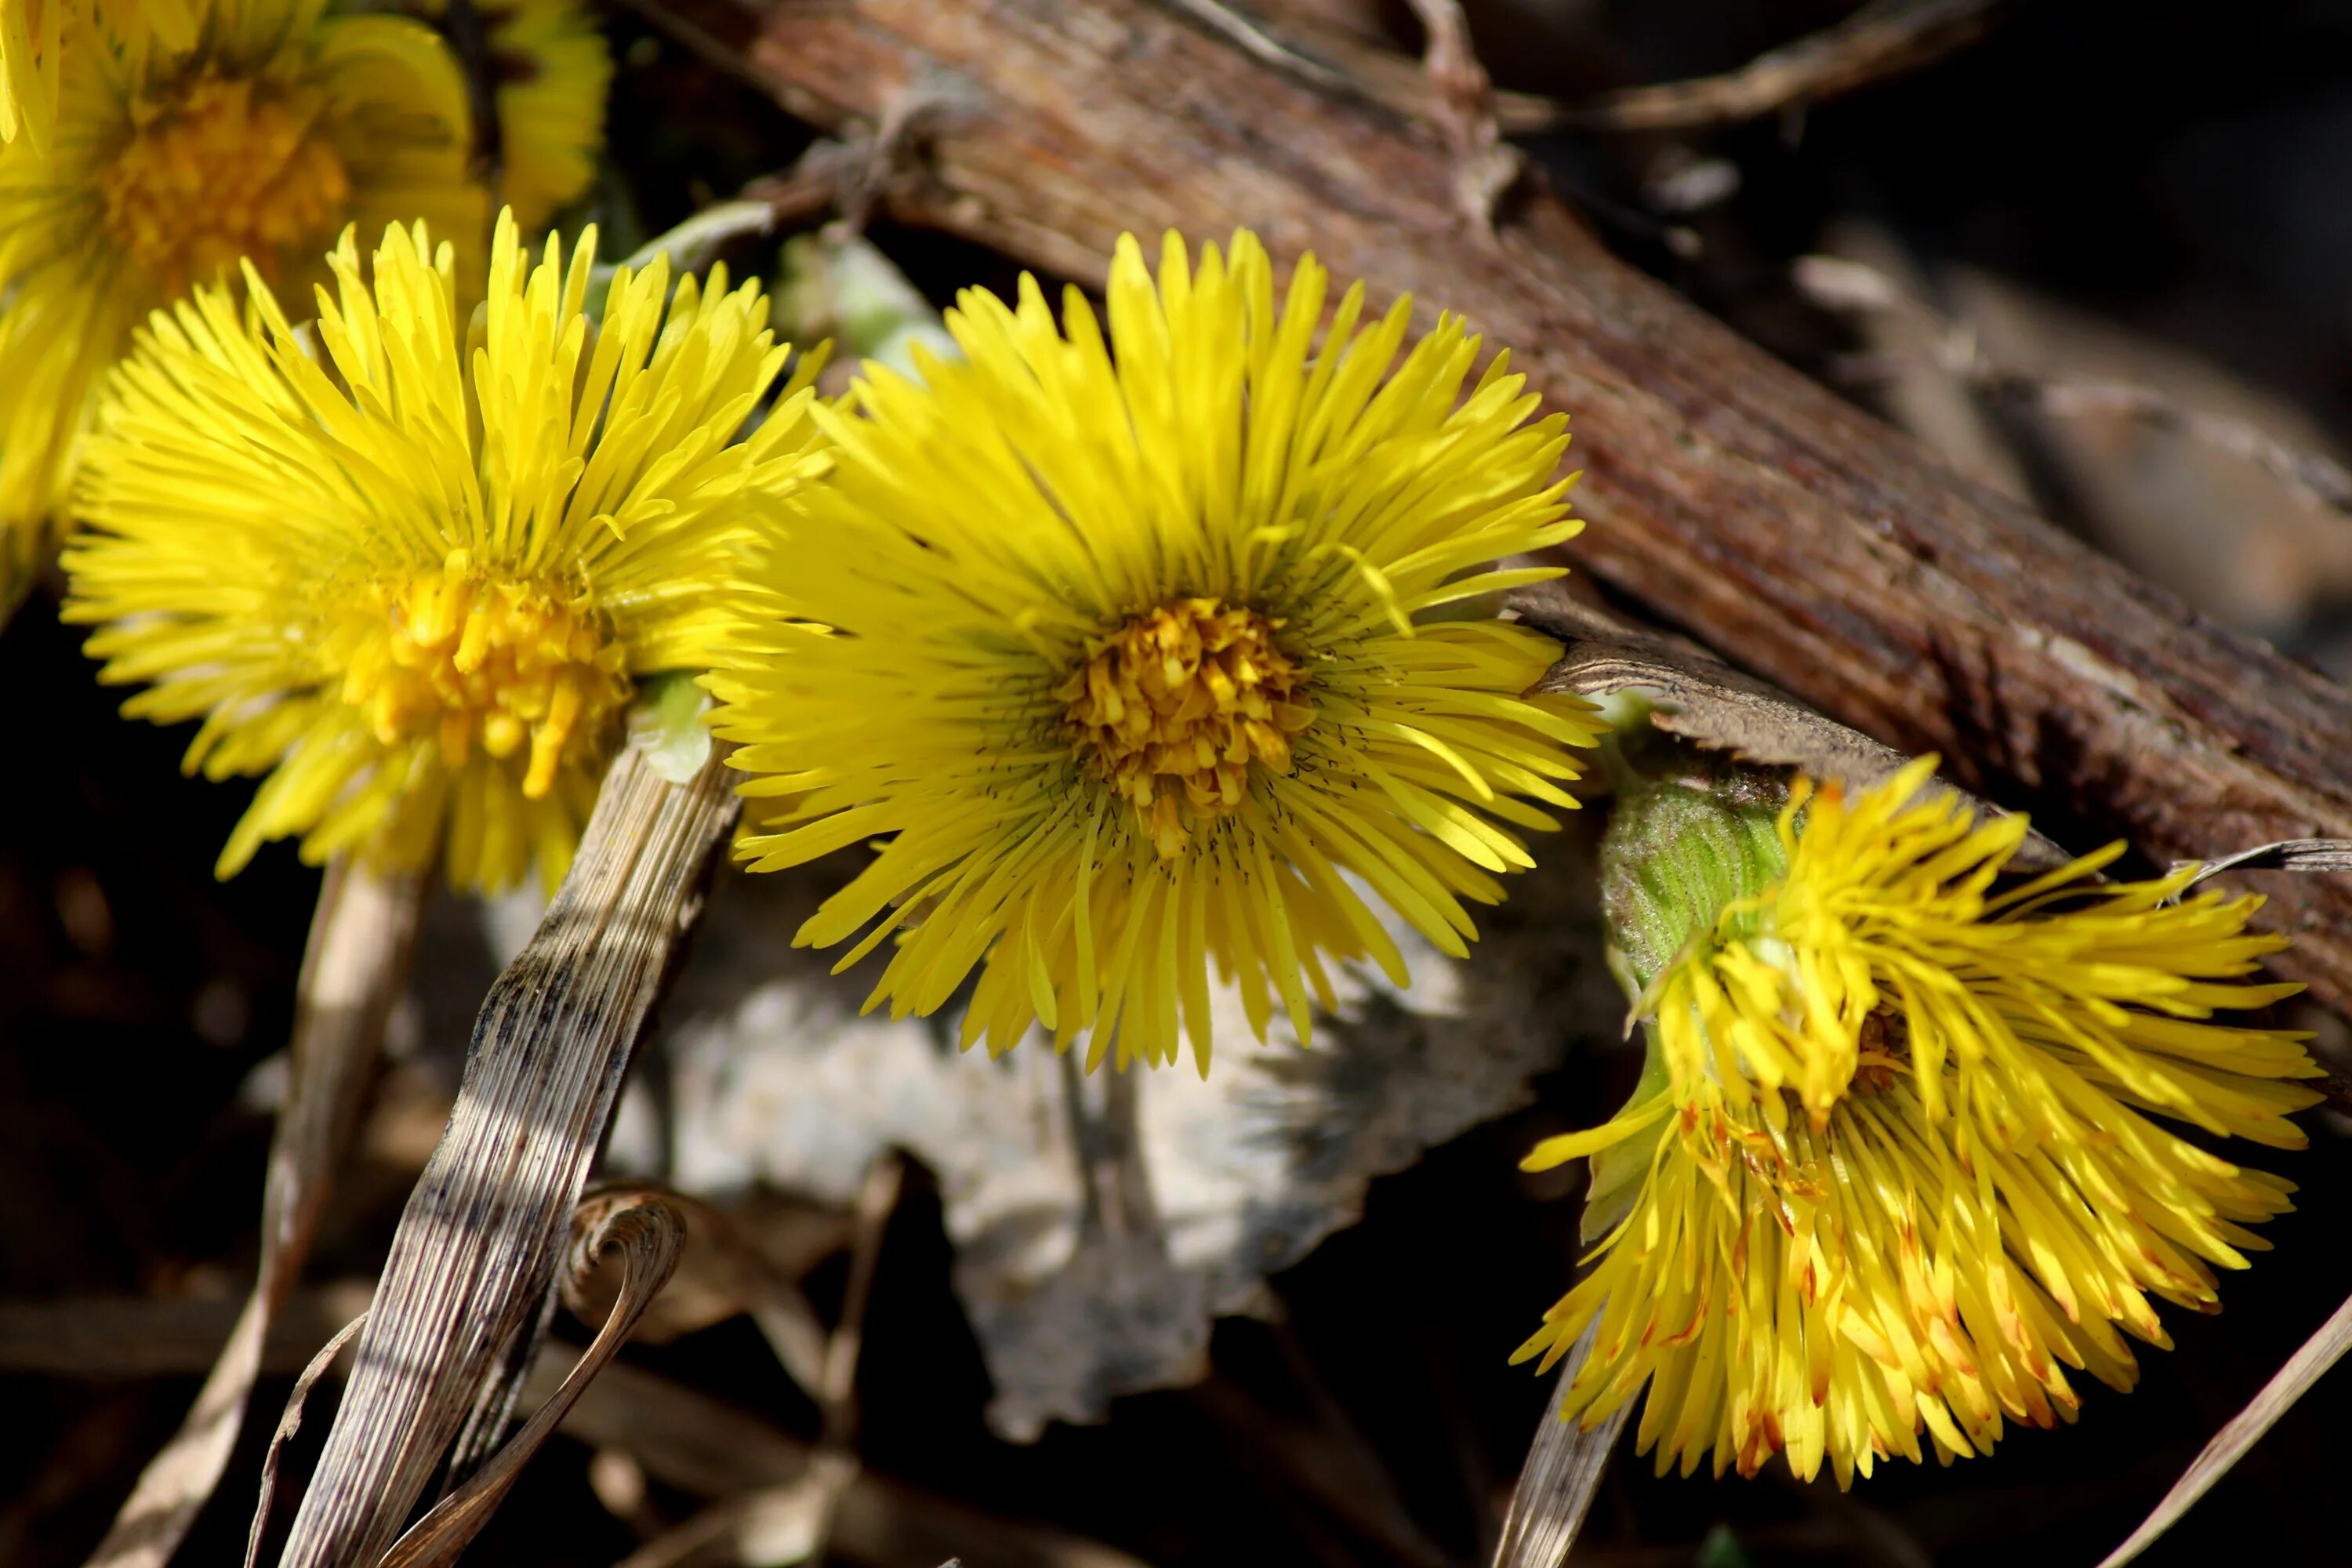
x,y
1727,492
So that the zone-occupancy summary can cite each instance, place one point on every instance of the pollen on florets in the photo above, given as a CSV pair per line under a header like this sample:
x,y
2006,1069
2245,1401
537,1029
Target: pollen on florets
x,y
1173,707
475,660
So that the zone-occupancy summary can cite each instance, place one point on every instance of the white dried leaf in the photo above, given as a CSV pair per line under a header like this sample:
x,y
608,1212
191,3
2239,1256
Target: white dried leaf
x,y
1092,1260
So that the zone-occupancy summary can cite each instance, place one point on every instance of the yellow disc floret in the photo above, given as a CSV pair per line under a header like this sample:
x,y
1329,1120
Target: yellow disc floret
x,y
1175,707
473,659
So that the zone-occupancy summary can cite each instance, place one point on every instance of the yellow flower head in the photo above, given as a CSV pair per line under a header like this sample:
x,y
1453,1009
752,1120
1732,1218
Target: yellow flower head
x,y
1130,646
413,579
270,132
551,71
1893,1168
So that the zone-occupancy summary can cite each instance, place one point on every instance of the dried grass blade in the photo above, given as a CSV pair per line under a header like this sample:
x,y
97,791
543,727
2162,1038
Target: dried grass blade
x,y
290,1422
1565,1464
477,1246
2287,855
2302,1369
352,970
650,1235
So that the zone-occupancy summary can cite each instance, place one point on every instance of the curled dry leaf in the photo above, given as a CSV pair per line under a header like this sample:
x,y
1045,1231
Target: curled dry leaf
x,y
460,1304
648,1232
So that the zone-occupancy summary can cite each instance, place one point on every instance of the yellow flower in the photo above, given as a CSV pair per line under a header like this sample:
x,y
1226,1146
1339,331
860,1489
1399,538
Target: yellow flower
x,y
29,38
1893,1168
275,130
1133,650
415,582
551,71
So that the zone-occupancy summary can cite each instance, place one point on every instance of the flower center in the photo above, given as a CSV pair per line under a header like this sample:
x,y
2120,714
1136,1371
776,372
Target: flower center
x,y
225,167
1175,704
481,660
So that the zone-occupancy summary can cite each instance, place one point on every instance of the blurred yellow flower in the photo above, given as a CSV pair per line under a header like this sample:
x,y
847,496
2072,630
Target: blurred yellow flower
x,y
1136,649
1892,1169
272,130
551,71
415,578
30,34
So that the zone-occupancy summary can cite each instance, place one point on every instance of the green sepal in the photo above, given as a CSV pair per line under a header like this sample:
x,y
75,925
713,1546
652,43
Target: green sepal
x,y
666,723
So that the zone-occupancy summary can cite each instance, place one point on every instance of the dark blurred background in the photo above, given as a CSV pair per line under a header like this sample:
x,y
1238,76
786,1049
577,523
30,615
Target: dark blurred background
x,y
2110,190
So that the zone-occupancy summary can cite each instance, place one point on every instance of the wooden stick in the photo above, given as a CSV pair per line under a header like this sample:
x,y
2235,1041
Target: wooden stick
x,y
1727,492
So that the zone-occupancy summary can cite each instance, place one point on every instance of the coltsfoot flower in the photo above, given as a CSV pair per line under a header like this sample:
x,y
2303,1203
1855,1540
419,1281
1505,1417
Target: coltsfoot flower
x,y
1894,1168
1133,648
273,129
415,579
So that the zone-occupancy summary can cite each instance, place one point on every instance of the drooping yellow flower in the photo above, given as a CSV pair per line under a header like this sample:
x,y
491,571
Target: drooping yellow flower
x,y
1133,648
551,71
271,131
1895,1169
415,580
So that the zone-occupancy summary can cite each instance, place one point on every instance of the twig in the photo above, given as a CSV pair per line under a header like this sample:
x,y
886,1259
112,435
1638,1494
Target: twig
x,y
838,1395
684,1439
1262,45
121,1336
2304,855
1883,40
1484,165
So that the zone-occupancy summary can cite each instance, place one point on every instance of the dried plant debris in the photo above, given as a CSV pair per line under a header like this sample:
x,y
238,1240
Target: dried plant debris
x,y
1695,698
1565,1464
1102,1222
2287,855
2305,1368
